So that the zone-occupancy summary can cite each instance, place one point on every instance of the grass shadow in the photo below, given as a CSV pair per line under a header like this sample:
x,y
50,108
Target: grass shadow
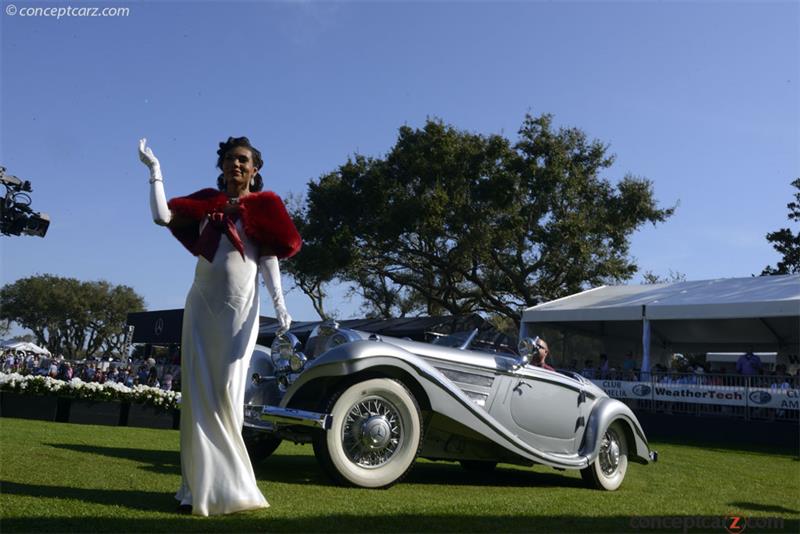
x,y
263,521
162,462
758,507
291,469
150,501
454,475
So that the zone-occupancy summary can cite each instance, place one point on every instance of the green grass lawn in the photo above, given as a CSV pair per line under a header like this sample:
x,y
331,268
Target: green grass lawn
x,y
80,478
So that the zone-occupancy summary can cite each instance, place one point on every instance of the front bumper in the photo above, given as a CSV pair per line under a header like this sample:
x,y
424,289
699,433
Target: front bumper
x,y
271,418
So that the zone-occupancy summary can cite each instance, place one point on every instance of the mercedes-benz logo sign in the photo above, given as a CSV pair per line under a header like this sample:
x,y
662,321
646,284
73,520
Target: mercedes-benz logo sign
x,y
159,326
760,397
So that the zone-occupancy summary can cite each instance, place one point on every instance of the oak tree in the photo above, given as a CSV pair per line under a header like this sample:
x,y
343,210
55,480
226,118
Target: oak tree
x,y
451,221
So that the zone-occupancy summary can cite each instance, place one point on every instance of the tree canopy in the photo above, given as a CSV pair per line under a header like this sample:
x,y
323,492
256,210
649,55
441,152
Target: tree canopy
x,y
787,242
68,316
455,222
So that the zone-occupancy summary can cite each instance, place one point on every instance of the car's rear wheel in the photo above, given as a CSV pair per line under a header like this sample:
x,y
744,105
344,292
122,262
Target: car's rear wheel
x,y
375,435
259,445
608,470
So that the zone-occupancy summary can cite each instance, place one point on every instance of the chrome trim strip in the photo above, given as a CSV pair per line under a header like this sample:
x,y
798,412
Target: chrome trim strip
x,y
291,417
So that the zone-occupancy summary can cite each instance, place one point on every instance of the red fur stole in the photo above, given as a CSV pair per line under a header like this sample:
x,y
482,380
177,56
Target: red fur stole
x,y
264,219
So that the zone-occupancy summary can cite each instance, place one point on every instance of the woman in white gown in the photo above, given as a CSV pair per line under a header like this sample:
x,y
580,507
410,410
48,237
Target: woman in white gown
x,y
234,232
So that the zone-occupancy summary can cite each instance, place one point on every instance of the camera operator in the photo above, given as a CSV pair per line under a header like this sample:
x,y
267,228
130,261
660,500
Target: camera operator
x,y
16,215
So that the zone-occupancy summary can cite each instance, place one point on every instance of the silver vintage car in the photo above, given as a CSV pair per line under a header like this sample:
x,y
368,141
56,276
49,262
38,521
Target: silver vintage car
x,y
371,405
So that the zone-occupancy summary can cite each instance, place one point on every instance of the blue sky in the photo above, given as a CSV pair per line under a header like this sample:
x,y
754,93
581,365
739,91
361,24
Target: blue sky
x,y
702,98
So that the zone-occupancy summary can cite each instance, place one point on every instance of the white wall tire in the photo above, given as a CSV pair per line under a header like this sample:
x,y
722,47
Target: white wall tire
x,y
375,435
608,470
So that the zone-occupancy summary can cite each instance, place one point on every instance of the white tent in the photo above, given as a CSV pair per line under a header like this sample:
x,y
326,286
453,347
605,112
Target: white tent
x,y
728,314
26,346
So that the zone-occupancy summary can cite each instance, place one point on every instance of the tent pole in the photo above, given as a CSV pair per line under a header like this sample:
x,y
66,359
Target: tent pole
x,y
645,374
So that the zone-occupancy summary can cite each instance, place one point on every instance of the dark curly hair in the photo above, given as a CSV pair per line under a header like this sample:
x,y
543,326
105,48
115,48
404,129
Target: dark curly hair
x,y
258,163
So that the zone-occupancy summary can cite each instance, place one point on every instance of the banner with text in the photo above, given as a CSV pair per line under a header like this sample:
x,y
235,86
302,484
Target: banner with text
x,y
780,398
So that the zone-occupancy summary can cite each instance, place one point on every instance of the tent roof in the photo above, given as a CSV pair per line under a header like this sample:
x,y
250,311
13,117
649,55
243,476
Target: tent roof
x,y
26,346
764,309
724,298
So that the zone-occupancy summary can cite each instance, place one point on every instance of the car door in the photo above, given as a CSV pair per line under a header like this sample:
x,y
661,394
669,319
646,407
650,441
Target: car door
x,y
544,408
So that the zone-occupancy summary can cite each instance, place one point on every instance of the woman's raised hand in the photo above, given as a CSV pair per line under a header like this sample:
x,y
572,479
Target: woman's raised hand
x,y
147,156
158,200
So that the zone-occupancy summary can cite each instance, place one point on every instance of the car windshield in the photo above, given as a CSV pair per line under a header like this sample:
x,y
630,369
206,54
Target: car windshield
x,y
456,339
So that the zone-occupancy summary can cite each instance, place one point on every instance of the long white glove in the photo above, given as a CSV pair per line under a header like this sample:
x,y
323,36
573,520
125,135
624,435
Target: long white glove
x,y
158,200
272,279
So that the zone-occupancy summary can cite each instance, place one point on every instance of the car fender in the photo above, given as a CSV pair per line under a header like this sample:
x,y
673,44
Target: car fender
x,y
444,396
264,391
606,411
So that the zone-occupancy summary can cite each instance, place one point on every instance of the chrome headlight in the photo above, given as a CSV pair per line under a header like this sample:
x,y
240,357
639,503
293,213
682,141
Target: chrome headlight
x,y
285,350
528,348
340,337
319,337
327,335
297,362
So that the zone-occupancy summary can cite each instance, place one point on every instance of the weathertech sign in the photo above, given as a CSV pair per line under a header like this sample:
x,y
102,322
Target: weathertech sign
x,y
785,399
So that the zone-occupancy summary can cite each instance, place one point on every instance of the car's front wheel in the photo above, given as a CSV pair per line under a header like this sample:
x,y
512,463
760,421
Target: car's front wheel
x,y
259,445
375,434
608,470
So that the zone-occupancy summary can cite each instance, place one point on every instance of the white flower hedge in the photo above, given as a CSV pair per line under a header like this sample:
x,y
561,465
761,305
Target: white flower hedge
x,y
91,391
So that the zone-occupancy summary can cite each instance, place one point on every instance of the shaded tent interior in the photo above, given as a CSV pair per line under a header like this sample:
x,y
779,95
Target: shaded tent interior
x,y
731,314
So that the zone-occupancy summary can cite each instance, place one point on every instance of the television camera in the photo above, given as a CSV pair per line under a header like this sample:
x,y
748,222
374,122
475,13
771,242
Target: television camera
x,y
16,215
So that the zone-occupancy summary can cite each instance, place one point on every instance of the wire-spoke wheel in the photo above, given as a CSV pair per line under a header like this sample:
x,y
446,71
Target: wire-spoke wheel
x,y
375,435
608,470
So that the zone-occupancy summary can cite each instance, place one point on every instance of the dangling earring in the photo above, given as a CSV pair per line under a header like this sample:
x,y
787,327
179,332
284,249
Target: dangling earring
x,y
252,182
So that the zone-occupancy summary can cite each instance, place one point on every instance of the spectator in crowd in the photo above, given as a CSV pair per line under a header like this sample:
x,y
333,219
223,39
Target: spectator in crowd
x,y
540,359
113,374
9,363
629,363
671,377
603,369
588,369
166,382
131,377
748,364
124,372
142,374
781,380
88,373
152,378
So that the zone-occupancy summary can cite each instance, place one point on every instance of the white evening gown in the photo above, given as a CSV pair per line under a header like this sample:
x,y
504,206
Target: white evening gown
x,y
220,325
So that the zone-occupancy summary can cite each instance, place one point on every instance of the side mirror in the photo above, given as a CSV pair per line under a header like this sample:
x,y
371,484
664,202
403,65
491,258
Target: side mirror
x,y
528,347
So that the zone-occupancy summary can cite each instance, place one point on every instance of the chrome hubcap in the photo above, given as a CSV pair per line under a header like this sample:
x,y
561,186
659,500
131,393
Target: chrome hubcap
x,y
609,453
375,432
372,432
